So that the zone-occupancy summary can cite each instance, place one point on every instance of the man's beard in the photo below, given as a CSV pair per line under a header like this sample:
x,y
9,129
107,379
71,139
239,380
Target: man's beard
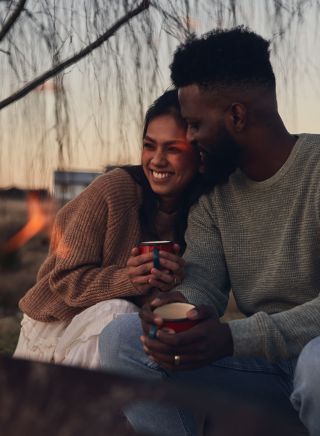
x,y
220,159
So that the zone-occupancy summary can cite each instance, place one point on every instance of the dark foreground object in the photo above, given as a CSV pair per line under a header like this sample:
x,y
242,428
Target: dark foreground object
x,y
38,399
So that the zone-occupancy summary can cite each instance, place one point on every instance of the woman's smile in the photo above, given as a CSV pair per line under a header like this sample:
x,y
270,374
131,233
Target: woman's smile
x,y
162,176
169,161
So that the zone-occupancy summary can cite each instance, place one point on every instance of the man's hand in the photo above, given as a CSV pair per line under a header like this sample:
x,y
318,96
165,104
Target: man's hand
x,y
204,343
148,318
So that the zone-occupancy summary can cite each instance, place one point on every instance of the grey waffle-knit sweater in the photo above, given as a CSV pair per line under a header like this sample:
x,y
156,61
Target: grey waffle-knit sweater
x,y
262,239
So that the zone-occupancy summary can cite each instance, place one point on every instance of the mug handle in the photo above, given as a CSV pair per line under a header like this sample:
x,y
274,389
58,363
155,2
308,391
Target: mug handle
x,y
156,260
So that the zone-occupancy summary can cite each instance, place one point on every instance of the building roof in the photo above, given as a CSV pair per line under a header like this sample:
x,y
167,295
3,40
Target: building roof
x,y
74,177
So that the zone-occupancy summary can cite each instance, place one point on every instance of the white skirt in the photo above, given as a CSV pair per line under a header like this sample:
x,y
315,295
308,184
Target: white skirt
x,y
75,343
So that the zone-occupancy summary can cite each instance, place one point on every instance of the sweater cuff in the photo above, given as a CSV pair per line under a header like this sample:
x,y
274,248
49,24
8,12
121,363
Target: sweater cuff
x,y
195,297
247,338
123,286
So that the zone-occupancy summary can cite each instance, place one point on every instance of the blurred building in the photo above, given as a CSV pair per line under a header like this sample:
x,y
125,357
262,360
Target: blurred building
x,y
68,184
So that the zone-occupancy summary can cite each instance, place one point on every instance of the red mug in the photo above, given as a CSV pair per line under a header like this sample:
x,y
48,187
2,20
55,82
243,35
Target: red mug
x,y
174,316
155,247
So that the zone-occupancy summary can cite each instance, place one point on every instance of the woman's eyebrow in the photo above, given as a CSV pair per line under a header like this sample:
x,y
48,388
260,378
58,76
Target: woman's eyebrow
x,y
148,138
170,142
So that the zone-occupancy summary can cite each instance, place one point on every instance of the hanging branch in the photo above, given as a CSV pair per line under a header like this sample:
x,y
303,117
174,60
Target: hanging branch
x,y
73,59
12,19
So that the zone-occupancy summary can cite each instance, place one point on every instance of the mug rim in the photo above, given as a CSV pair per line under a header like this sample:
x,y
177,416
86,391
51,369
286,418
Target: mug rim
x,y
191,306
147,243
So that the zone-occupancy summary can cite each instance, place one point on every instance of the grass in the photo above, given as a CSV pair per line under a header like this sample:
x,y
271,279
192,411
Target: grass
x,y
9,333
18,271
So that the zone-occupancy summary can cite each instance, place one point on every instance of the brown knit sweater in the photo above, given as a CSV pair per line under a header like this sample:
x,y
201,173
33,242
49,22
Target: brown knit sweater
x,y
91,242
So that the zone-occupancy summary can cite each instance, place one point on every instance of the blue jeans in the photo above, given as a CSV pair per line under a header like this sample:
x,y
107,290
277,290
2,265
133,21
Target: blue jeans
x,y
121,351
306,395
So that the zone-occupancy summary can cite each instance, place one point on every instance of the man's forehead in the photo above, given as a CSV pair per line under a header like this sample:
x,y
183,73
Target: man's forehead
x,y
197,99
192,99
189,93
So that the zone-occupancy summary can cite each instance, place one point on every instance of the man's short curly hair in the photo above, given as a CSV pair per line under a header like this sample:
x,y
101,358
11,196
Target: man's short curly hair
x,y
234,57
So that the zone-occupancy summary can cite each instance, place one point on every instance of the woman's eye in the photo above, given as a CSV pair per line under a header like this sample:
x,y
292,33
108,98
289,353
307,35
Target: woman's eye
x,y
148,145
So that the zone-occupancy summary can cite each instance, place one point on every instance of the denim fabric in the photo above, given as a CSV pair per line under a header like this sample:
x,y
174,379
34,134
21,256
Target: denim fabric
x,y
121,351
306,394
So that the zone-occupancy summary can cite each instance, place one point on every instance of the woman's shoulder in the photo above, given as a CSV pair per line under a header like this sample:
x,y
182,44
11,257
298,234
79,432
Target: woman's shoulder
x,y
116,185
113,177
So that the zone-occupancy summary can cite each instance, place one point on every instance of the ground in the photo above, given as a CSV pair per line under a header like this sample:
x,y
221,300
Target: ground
x,y
17,270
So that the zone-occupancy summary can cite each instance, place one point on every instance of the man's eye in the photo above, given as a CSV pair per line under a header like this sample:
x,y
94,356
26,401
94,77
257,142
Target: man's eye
x,y
194,126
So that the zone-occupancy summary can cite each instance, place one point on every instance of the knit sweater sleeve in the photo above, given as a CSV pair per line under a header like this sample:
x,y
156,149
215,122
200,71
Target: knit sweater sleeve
x,y
206,276
85,271
278,336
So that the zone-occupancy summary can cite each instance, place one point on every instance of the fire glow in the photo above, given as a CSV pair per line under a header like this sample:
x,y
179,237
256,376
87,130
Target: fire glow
x,y
40,218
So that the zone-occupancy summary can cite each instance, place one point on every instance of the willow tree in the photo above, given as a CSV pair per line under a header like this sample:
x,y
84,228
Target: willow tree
x,y
76,76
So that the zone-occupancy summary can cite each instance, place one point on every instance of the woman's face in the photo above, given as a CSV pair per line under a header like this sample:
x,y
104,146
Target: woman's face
x,y
169,161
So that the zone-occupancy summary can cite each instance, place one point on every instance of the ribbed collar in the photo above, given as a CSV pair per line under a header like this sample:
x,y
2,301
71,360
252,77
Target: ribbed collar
x,y
252,184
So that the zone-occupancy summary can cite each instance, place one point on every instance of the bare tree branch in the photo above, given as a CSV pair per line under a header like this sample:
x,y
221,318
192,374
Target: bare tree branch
x,y
12,19
73,59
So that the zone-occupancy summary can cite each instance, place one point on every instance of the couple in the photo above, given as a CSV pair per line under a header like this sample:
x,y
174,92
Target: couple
x,y
256,231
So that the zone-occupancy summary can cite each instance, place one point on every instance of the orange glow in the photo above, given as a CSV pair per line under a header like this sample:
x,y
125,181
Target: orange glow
x,y
49,85
40,218
192,23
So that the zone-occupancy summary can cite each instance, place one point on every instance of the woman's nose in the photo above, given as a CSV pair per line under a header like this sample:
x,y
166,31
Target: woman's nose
x,y
159,158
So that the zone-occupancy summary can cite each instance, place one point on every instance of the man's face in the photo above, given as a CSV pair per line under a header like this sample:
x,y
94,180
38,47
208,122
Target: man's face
x,y
206,128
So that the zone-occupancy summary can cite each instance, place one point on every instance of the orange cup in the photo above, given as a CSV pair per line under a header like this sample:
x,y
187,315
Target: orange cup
x,y
174,316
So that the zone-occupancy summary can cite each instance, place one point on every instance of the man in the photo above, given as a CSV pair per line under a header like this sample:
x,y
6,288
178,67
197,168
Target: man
x,y
257,232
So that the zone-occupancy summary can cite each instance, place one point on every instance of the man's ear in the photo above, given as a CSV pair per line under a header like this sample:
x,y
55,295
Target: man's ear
x,y
236,117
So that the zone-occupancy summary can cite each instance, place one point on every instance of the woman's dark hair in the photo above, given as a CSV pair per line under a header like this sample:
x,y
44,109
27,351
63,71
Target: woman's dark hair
x,y
167,103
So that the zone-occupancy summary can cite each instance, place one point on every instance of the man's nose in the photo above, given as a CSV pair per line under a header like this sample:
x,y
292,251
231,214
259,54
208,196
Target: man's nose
x,y
190,134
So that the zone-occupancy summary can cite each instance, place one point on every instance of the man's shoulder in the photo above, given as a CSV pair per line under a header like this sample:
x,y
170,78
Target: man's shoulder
x,y
309,156
309,142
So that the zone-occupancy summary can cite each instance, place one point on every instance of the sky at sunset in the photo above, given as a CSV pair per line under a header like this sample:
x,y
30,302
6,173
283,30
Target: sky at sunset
x,y
29,146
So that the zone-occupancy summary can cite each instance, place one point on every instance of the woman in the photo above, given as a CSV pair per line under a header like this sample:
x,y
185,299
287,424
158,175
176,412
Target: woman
x,y
92,274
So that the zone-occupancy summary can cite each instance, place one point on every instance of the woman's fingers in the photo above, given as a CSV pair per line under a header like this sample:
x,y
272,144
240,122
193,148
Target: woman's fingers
x,y
162,276
135,251
139,259
140,270
141,280
171,257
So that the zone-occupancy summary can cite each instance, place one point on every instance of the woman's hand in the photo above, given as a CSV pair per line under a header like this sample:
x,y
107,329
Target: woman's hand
x,y
139,270
144,276
172,270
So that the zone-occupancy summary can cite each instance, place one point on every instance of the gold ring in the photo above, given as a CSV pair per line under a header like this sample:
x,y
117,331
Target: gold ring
x,y
177,360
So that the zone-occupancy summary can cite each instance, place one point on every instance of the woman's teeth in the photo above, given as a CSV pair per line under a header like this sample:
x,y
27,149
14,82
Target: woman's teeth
x,y
157,175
